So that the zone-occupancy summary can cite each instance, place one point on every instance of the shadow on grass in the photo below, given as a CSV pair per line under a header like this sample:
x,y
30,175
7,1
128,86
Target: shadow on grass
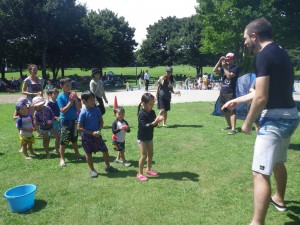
x,y
184,125
39,205
184,175
294,147
1,153
293,212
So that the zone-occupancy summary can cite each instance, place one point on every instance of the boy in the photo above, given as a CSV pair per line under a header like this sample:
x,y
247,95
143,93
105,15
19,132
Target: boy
x,y
89,124
25,126
68,104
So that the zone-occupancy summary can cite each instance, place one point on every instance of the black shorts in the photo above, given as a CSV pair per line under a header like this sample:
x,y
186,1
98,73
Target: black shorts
x,y
68,132
163,104
225,98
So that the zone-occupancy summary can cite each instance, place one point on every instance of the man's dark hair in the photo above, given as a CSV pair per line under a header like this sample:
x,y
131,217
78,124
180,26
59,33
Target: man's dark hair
x,y
261,27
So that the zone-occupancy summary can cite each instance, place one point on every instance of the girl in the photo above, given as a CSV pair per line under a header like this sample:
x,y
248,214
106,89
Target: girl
x,y
147,120
90,122
119,128
44,117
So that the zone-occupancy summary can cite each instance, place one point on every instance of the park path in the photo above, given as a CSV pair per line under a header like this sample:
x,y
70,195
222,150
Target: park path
x,y
131,98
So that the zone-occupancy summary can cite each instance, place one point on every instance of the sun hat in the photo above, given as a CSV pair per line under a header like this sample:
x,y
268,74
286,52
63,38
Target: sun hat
x,y
230,55
95,70
37,101
168,69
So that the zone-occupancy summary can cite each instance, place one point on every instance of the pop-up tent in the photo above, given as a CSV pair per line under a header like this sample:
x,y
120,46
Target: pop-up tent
x,y
242,88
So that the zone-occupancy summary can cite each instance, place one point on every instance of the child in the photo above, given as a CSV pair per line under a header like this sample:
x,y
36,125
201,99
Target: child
x,y
68,104
25,126
44,117
147,120
90,122
119,129
52,95
16,115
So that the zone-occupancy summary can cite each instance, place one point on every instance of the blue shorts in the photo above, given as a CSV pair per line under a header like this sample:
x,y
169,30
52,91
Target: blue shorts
x,y
272,143
92,144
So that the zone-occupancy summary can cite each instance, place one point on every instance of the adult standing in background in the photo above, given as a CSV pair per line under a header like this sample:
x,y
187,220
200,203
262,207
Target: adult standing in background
x,y
272,99
97,88
147,80
229,72
166,84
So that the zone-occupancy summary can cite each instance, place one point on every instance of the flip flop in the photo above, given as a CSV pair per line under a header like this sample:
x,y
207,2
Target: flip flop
x,y
141,177
152,173
280,208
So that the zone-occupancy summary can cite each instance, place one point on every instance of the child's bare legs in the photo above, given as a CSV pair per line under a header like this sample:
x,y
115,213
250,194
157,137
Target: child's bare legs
x,y
62,155
143,152
24,147
149,146
106,159
89,160
75,147
46,141
57,140
121,155
30,149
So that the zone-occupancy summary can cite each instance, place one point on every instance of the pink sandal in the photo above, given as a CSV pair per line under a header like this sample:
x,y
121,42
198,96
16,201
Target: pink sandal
x,y
152,173
141,177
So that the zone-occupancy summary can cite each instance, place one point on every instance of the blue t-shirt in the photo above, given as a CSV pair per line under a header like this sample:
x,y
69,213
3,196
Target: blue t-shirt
x,y
90,118
62,100
54,107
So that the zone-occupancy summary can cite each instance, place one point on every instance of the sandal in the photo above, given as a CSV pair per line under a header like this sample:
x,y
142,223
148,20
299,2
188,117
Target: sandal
x,y
141,177
152,173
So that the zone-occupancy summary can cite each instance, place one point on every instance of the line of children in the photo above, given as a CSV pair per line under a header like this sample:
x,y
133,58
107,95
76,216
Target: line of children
x,y
90,123
119,129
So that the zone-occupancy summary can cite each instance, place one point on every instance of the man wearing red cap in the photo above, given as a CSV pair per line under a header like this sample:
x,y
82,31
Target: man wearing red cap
x,y
229,72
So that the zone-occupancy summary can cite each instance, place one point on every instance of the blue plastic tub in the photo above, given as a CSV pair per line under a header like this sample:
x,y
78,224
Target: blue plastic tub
x,y
21,198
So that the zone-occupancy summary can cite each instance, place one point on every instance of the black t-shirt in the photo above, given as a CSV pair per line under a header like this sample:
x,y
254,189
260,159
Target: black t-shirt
x,y
273,61
228,86
145,128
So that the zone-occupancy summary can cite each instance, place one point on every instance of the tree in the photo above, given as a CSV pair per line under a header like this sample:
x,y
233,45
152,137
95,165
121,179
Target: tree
x,y
109,40
223,24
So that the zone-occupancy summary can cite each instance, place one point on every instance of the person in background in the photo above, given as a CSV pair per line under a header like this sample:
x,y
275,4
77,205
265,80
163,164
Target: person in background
x,y
119,129
147,120
166,84
229,72
146,80
90,123
49,85
273,101
97,88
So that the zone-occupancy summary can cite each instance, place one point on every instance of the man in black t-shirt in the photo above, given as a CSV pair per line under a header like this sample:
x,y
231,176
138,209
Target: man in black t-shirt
x,y
273,101
229,72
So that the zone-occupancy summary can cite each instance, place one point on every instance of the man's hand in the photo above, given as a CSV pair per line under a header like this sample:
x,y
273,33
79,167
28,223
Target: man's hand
x,y
246,128
231,105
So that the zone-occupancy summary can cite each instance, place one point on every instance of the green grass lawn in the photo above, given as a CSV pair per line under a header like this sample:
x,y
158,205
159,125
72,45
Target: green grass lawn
x,y
205,176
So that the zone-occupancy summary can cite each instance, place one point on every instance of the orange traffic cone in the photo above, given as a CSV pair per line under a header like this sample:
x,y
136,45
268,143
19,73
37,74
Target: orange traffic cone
x,y
115,103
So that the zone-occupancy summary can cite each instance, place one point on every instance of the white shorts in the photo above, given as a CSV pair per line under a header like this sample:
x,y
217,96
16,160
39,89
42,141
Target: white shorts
x,y
268,151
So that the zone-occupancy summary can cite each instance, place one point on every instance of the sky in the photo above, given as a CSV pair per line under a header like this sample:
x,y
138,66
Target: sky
x,y
142,13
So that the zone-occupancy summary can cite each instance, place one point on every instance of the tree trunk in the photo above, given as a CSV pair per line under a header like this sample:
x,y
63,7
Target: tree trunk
x,y
44,62
62,71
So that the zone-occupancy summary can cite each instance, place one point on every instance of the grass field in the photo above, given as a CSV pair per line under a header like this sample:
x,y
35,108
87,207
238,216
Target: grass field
x,y
154,72
205,176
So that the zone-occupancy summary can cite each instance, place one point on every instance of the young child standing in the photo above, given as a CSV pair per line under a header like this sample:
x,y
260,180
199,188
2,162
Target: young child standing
x,y
119,129
25,126
90,122
44,117
68,104
52,95
147,120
